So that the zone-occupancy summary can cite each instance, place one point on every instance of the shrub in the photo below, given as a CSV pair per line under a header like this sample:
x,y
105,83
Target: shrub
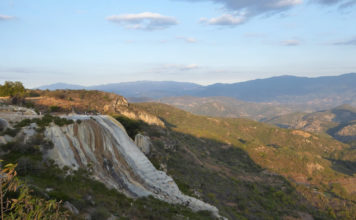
x,y
12,89
54,108
132,127
20,204
11,132
23,123
32,93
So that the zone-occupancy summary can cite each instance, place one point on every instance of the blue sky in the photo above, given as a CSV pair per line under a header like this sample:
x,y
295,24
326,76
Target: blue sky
x,y
92,42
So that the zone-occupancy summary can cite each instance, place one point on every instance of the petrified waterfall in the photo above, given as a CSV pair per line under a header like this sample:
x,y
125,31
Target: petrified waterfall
x,y
102,143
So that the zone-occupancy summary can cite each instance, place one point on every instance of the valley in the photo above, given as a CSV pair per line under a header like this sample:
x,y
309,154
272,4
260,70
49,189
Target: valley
x,y
246,169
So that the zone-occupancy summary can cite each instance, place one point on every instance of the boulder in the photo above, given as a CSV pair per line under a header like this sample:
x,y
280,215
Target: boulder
x,y
3,124
144,143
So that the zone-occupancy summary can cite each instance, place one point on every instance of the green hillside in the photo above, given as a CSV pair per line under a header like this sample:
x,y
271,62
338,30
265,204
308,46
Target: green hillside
x,y
304,159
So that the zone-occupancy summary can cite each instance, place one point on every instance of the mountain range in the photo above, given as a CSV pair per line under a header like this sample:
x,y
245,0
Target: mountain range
x,y
301,92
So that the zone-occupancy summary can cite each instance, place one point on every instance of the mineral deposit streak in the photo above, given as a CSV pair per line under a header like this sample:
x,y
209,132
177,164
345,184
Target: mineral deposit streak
x,y
102,144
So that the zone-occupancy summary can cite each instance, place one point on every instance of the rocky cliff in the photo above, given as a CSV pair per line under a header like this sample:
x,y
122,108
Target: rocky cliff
x,y
89,102
101,143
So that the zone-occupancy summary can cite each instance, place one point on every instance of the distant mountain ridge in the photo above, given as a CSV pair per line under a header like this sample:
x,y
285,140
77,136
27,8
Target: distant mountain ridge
x,y
138,89
61,86
312,93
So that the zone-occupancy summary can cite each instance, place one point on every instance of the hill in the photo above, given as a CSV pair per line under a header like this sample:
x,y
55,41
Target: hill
x,y
339,122
247,169
310,162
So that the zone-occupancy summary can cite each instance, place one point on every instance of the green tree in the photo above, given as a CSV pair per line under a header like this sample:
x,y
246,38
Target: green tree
x,y
12,89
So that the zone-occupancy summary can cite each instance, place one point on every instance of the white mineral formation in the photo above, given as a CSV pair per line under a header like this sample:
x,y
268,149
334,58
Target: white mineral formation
x,y
144,143
101,143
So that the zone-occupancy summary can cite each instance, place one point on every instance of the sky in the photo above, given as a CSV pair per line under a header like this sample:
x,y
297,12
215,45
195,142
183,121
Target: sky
x,y
91,42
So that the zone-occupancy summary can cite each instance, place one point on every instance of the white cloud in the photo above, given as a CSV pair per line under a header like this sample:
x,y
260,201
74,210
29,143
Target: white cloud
x,y
291,42
188,39
6,17
255,7
143,21
225,20
242,10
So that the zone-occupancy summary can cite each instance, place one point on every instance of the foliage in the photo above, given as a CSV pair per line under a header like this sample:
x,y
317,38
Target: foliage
x,y
18,203
298,156
54,108
132,127
12,89
226,178
11,132
44,121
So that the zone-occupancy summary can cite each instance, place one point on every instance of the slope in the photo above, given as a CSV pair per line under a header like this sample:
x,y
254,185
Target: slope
x,y
301,157
339,122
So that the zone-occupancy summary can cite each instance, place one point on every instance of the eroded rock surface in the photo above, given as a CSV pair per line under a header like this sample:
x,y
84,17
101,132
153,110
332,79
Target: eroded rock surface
x,y
101,143
144,143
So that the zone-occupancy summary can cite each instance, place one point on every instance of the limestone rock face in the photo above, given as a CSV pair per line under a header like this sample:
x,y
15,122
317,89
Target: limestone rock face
x,y
118,103
13,114
144,143
102,143
121,106
139,115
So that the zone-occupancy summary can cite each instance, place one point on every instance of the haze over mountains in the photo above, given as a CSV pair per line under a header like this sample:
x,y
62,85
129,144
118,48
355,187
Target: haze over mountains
x,y
301,92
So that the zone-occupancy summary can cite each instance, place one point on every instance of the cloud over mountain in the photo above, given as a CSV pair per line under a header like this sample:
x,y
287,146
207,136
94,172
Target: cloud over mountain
x,y
143,21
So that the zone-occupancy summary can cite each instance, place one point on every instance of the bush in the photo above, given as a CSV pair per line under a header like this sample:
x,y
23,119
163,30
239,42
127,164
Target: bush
x,y
54,108
12,89
11,132
32,93
43,122
23,123
29,104
132,127
20,204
